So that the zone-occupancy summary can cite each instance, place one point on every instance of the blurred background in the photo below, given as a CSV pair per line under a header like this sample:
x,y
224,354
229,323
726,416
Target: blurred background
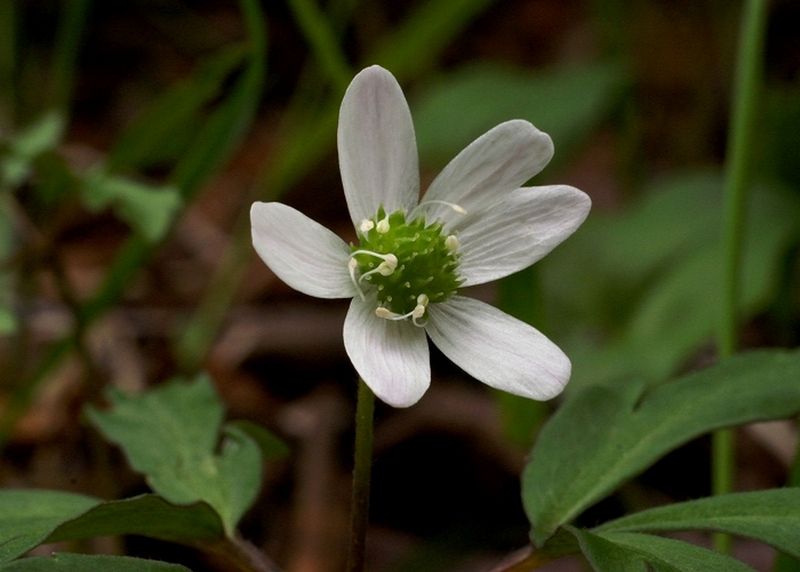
x,y
134,136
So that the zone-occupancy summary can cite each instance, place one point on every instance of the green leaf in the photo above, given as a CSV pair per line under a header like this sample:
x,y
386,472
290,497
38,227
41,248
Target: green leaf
x,y
604,435
771,516
32,517
172,435
67,562
42,136
272,447
566,103
631,552
27,518
148,210
145,515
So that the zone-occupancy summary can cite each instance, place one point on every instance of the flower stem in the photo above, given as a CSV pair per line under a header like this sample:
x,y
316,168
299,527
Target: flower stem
x,y
362,467
749,70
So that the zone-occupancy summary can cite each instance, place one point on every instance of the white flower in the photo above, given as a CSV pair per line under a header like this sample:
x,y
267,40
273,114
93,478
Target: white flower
x,y
475,224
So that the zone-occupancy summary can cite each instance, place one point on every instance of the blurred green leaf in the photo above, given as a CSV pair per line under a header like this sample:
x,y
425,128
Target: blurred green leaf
x,y
27,518
568,104
643,284
223,130
631,552
148,210
168,126
272,447
771,516
172,435
43,135
603,435
33,517
67,562
145,515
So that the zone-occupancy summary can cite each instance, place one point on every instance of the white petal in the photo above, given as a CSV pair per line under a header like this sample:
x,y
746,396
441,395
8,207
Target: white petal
x,y
493,165
390,356
377,146
301,252
498,350
519,231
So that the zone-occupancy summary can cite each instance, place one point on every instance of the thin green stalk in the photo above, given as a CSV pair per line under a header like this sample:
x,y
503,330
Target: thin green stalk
x,y
362,469
67,48
314,25
8,64
748,81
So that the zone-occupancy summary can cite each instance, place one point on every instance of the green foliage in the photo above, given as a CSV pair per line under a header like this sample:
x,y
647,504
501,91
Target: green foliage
x,y
166,129
27,518
631,552
82,563
172,435
33,517
147,209
459,107
772,516
42,136
606,434
634,293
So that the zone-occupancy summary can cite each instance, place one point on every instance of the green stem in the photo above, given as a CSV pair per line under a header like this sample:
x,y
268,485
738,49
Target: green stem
x,y
67,48
362,467
322,39
749,71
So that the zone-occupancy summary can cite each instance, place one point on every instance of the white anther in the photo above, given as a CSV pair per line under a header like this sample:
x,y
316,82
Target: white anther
x,y
419,310
366,225
383,225
385,313
451,243
385,268
458,208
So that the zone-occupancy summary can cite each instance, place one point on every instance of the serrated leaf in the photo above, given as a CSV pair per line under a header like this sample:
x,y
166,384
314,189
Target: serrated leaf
x,y
147,209
771,516
67,562
566,103
172,435
632,552
604,435
29,518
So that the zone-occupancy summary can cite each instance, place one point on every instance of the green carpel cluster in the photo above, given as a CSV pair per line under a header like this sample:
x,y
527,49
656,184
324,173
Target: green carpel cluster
x,y
427,261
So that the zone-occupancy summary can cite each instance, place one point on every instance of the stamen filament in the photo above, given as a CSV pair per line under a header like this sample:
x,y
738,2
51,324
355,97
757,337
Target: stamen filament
x,y
458,208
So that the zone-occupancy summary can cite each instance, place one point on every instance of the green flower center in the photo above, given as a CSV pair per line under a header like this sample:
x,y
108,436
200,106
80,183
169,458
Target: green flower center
x,y
408,263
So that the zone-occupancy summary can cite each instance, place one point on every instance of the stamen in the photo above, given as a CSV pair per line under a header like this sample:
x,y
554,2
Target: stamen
x,y
388,258
385,268
415,314
451,243
383,225
458,208
351,266
366,225
419,310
